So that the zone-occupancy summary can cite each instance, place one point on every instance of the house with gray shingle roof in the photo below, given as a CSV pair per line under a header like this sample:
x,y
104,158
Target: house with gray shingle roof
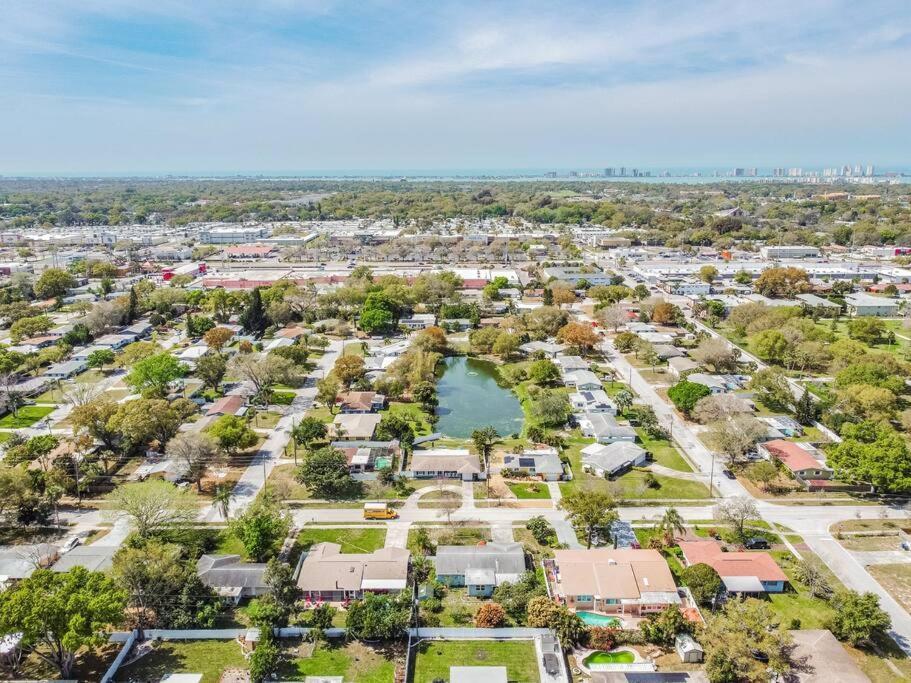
x,y
479,567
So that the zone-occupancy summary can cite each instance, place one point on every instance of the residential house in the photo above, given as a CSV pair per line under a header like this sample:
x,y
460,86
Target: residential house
x,y
480,568
805,462
604,428
860,305
657,337
231,577
596,401
543,463
677,366
638,328
666,351
626,581
228,405
582,380
95,558
785,424
744,572
361,402
718,384
445,463
610,460
367,456
138,329
354,426
418,321
66,369
549,349
328,575
115,341
571,363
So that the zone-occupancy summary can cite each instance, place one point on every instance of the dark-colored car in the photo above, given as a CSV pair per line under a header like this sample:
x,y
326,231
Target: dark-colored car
x,y
756,543
730,475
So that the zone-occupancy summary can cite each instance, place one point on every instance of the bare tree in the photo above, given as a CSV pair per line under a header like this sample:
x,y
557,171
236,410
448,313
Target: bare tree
x,y
194,451
612,316
719,407
737,512
716,354
261,371
735,436
80,393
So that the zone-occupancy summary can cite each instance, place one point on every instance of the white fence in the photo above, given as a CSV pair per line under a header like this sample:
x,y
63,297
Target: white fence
x,y
479,633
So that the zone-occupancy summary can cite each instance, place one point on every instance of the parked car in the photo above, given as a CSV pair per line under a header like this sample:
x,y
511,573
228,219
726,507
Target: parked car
x,y
756,543
730,475
905,545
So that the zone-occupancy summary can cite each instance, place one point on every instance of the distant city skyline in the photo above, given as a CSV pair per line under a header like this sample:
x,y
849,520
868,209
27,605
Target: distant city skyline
x,y
223,87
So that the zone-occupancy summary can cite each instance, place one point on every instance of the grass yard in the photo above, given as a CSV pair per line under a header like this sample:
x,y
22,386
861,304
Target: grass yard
x,y
206,657
28,415
352,540
353,349
353,661
413,413
530,490
265,419
433,659
450,535
799,604
228,544
896,579
664,452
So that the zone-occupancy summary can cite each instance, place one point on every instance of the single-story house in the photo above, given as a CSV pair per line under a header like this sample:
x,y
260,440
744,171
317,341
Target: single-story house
x,y
596,401
277,343
479,567
666,351
66,369
138,329
115,341
361,402
543,462
418,321
191,354
354,426
629,581
582,380
82,353
604,428
677,366
745,572
327,574
367,456
445,463
718,384
230,576
549,349
806,463
657,337
785,424
609,460
293,333
228,405
19,561
571,363
638,327
95,558
866,305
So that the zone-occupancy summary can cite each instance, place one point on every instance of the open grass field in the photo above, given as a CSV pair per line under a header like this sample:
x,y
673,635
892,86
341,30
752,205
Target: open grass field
x,y
352,540
353,661
28,415
433,659
206,657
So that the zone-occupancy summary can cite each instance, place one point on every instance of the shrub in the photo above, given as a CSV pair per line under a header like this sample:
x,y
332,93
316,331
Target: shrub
x,y
490,615
602,638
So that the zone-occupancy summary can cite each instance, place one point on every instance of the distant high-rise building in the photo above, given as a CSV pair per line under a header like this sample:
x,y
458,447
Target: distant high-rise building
x,y
635,173
623,170
846,170
608,173
550,174
870,170
738,172
857,170
752,172
574,174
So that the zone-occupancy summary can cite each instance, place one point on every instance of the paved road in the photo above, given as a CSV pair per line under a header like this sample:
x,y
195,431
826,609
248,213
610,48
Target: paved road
x,y
256,474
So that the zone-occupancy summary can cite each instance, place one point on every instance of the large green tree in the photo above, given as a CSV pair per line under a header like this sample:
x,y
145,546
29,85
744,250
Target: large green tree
x,y
60,613
685,395
152,376
53,282
261,529
591,513
325,473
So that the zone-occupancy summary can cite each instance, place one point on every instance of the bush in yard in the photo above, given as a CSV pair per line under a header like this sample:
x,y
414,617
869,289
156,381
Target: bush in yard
x,y
685,395
542,530
651,481
858,616
602,638
540,611
489,615
661,628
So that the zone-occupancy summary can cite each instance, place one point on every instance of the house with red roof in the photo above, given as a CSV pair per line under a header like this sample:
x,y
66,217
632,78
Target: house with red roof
x,y
803,461
744,572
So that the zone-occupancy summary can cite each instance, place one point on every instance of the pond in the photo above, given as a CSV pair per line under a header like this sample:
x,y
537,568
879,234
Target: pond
x,y
470,398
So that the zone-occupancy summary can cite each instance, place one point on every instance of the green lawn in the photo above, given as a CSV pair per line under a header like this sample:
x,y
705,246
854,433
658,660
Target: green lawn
x,y
206,657
413,413
28,415
664,451
228,544
354,661
353,349
450,535
530,490
352,540
433,659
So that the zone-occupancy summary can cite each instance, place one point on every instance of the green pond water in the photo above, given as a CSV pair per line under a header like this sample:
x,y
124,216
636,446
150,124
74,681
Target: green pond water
x,y
470,398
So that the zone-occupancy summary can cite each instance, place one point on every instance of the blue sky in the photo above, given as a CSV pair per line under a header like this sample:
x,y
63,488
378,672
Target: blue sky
x,y
124,86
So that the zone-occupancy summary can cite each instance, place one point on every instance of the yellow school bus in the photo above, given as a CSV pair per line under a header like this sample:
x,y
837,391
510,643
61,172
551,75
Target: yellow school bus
x,y
379,511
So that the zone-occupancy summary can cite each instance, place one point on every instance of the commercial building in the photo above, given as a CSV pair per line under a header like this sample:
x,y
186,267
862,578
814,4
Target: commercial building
x,y
773,253
863,305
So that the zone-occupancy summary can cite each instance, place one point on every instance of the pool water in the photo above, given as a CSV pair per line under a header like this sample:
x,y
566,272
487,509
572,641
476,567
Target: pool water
x,y
382,463
615,657
593,619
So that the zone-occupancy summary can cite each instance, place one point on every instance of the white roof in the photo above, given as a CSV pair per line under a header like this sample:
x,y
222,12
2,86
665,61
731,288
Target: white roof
x,y
182,678
743,584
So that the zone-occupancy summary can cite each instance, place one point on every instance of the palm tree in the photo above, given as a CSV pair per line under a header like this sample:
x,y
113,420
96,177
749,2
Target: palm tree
x,y
484,439
224,494
671,525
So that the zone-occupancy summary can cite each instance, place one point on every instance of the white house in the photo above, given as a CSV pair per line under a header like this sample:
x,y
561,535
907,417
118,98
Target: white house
x,y
596,401
65,370
604,428
608,460
865,305
582,380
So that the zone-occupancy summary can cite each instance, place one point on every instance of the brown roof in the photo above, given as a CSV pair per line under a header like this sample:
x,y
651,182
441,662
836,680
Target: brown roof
x,y
613,573
326,568
359,400
445,463
227,405
754,563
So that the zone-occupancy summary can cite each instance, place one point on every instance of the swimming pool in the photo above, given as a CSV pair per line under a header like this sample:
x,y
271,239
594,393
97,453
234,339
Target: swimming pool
x,y
593,619
382,463
613,657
